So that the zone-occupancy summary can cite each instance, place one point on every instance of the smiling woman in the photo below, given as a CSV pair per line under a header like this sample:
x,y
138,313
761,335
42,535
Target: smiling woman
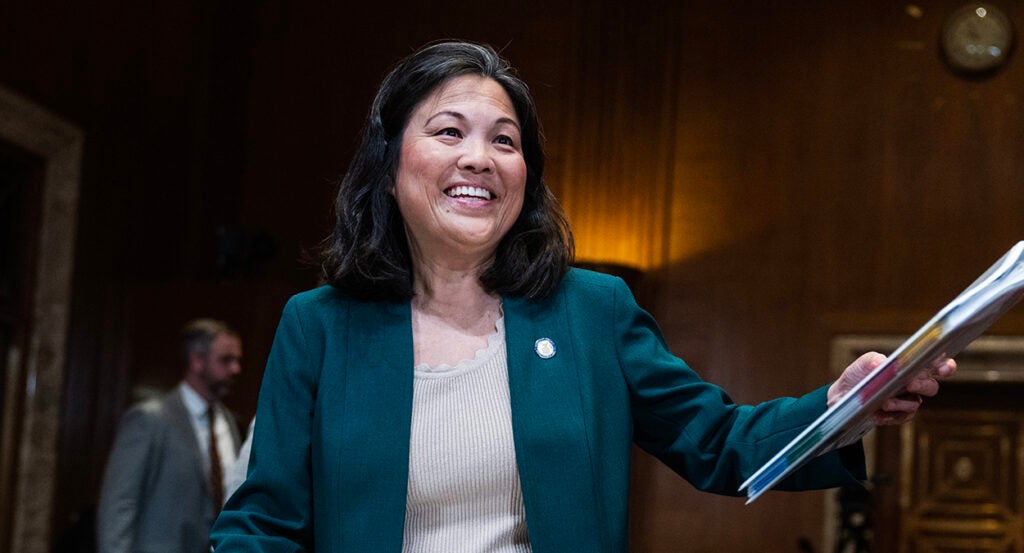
x,y
460,178
368,253
457,387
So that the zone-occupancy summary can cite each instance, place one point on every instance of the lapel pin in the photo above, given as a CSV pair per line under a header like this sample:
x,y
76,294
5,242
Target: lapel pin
x,y
545,348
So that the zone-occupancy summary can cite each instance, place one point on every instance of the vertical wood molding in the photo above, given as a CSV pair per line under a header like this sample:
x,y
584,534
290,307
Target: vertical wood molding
x,y
59,144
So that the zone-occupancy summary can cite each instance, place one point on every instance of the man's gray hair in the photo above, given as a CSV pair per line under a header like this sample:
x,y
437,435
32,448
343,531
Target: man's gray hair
x,y
198,334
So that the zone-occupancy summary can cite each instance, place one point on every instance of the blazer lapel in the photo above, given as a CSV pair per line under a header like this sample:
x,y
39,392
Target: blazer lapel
x,y
551,435
375,422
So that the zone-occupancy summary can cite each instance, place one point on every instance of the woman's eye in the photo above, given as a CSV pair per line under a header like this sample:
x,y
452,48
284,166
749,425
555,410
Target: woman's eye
x,y
450,131
505,140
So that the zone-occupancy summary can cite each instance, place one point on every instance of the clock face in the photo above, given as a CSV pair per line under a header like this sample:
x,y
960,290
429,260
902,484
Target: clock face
x,y
977,38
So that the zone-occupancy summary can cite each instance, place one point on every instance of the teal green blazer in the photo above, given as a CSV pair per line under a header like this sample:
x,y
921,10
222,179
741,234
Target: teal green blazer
x,y
330,455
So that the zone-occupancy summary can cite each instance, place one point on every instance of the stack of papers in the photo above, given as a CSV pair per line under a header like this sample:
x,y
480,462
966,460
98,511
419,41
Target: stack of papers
x,y
945,335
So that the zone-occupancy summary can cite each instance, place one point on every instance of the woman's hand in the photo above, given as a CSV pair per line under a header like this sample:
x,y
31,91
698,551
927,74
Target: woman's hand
x,y
901,407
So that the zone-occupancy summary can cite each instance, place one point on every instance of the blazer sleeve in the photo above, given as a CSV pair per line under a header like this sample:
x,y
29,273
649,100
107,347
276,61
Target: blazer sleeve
x,y
696,429
272,509
124,482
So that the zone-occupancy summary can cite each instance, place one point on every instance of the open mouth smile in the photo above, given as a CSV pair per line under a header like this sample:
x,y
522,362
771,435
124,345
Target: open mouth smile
x,y
464,191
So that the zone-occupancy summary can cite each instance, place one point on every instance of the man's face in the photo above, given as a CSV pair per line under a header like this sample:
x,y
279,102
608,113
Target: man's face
x,y
216,369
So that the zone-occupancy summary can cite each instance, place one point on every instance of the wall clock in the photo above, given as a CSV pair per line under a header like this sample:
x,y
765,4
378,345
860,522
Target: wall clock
x,y
977,39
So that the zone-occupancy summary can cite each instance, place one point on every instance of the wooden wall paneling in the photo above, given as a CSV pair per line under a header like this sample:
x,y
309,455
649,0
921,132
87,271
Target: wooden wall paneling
x,y
742,142
961,483
914,165
615,177
731,295
864,168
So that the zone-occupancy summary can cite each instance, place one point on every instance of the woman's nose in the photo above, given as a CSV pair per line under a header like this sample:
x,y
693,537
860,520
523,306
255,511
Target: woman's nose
x,y
476,157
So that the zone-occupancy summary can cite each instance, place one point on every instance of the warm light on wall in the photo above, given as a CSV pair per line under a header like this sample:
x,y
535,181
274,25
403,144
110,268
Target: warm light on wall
x,y
617,222
665,221
661,222
648,169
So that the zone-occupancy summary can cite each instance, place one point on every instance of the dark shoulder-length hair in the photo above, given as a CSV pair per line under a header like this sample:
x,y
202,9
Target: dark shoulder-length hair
x,y
367,254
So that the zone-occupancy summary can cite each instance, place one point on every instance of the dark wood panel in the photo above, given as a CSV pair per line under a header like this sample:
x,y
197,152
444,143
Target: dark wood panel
x,y
962,466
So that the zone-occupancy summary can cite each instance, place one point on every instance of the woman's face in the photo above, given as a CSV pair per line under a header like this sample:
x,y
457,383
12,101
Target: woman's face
x,y
461,173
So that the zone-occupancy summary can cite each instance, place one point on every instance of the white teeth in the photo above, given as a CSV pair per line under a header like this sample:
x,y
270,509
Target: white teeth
x,y
471,191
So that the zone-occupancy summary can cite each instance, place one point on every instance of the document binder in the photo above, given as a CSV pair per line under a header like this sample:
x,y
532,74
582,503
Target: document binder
x,y
954,327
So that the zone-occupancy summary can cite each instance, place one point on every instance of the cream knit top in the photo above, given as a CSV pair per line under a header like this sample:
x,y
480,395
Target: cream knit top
x,y
464,494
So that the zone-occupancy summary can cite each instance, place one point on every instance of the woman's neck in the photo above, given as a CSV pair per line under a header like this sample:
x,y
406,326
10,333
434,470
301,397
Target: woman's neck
x,y
457,298
448,280
452,314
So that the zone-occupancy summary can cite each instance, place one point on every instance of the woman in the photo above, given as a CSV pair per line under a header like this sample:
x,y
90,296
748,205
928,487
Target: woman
x,y
457,387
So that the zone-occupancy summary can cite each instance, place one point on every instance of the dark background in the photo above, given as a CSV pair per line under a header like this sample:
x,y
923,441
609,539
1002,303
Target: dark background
x,y
783,172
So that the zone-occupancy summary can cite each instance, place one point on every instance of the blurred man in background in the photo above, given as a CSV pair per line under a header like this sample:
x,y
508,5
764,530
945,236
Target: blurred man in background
x,y
164,481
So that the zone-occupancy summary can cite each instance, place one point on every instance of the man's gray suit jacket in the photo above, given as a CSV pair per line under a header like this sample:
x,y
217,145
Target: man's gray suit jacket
x,y
156,495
